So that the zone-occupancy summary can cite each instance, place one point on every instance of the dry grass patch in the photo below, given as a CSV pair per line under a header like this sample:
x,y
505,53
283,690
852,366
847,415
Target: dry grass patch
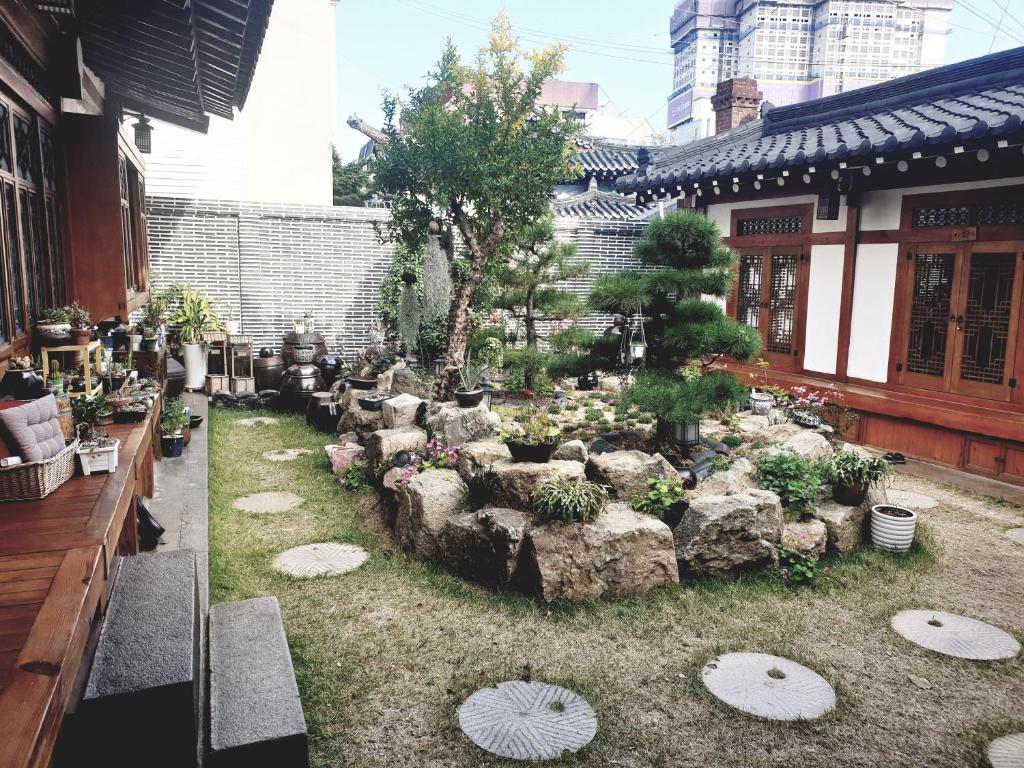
x,y
385,654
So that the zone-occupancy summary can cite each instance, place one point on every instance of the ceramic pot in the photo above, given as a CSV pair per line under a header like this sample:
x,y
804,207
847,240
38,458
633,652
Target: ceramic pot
x,y
330,366
362,382
761,403
195,367
892,527
291,340
149,344
303,353
297,384
53,334
469,398
171,446
80,336
22,385
322,413
374,402
587,383
850,495
268,371
537,454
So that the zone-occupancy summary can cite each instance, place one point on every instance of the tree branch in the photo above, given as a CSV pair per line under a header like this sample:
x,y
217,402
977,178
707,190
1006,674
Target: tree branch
x,y
357,123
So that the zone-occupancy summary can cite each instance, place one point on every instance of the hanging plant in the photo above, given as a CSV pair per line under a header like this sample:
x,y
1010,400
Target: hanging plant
x,y
409,318
437,280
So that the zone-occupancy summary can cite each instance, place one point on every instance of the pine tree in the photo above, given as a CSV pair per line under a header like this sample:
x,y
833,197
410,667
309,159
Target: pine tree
x,y
685,331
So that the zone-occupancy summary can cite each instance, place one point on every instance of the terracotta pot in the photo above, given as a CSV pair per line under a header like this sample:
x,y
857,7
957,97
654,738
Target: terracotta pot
x,y
80,336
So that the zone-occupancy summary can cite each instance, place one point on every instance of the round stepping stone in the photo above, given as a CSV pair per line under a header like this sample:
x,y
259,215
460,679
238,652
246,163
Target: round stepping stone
x,y
769,686
257,421
912,500
527,721
1007,751
955,635
1016,534
286,454
269,502
328,559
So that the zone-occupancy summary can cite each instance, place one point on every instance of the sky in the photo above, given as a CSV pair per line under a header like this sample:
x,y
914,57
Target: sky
x,y
621,45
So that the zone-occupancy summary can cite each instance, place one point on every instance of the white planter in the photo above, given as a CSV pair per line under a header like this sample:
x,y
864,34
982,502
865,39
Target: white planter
x,y
103,459
761,403
195,366
233,326
889,533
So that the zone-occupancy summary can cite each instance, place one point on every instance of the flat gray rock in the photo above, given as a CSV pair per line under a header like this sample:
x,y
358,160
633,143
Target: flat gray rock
x,y
1007,751
911,500
527,721
768,686
327,559
257,421
1016,534
286,454
955,635
268,502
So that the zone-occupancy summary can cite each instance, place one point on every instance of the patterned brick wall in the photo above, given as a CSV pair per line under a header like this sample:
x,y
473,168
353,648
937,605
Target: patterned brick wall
x,y
266,265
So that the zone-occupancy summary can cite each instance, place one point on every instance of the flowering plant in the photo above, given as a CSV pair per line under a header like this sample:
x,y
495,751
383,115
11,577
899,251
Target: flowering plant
x,y
827,406
438,456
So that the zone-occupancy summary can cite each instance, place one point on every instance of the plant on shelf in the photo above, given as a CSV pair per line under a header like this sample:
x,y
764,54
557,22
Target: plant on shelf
x,y
470,393
86,411
56,378
570,501
795,479
851,476
532,436
154,315
665,499
55,316
79,317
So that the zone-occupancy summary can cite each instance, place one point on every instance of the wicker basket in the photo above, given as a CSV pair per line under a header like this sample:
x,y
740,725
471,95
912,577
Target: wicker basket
x,y
38,479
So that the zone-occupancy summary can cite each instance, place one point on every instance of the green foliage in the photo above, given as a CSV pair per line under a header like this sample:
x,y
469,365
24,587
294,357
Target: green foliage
x,y
194,317
351,181
554,409
531,427
356,477
664,494
87,409
409,318
55,315
527,368
595,414
433,335
573,501
471,374
78,317
796,569
733,441
795,479
680,399
174,416
847,468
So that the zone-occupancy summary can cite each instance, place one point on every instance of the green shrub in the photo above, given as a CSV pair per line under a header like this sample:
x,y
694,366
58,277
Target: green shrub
x,y
570,501
795,479
595,395
595,414
357,477
645,419
733,441
554,408
664,494
847,468
796,569
568,429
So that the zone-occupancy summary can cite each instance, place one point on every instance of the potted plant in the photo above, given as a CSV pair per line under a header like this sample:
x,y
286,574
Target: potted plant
x,y
569,501
666,500
761,402
81,324
54,324
851,476
86,412
532,438
892,527
98,454
22,380
154,314
173,420
194,317
470,393
56,379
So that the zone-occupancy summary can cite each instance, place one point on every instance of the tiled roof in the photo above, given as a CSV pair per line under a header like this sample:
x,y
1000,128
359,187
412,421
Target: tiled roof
x,y
594,204
974,102
605,158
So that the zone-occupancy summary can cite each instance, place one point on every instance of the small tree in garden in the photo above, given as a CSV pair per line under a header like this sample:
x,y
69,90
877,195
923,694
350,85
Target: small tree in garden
x,y
689,263
528,283
474,154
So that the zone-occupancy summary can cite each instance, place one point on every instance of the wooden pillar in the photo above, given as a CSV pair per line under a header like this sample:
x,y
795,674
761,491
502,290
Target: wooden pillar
x,y
849,273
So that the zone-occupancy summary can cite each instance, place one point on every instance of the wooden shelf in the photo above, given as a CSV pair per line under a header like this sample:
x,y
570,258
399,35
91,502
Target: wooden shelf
x,y
93,348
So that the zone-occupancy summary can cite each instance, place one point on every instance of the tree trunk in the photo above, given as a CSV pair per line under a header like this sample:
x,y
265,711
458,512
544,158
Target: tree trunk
x,y
530,322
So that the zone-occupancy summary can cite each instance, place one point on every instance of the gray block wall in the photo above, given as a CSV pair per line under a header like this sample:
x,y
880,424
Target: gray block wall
x,y
266,265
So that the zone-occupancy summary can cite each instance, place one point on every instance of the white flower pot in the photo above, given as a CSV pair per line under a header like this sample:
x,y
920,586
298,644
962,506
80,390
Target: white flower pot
x,y
761,403
99,459
195,366
890,533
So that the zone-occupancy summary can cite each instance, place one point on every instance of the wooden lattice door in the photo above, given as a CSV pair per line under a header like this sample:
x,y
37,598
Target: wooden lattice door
x,y
768,298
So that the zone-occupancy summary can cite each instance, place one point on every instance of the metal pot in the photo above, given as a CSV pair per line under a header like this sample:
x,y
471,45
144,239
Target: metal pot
x,y
268,371
298,383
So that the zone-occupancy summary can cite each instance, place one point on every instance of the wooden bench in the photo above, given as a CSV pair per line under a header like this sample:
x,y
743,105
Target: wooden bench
x,y
56,559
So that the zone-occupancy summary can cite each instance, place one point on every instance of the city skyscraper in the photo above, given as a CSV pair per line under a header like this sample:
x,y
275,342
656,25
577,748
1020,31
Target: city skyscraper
x,y
797,50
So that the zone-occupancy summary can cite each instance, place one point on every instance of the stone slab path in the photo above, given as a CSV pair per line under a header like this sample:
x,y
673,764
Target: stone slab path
x,y
955,635
769,686
1016,534
325,559
268,503
527,721
286,454
1007,751
257,421
911,500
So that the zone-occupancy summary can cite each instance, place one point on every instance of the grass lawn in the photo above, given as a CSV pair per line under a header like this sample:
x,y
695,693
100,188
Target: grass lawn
x,y
384,655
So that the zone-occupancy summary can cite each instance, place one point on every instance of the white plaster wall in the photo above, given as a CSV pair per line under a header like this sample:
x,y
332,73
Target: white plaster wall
x,y
721,213
871,322
824,294
881,209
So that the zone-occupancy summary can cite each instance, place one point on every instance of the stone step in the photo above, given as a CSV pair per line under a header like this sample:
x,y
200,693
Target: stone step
x,y
256,716
146,672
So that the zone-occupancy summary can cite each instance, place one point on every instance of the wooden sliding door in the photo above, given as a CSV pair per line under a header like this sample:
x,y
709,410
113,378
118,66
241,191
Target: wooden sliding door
x,y
769,298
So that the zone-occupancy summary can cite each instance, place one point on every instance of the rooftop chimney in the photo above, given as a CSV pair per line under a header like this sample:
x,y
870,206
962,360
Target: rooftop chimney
x,y
735,102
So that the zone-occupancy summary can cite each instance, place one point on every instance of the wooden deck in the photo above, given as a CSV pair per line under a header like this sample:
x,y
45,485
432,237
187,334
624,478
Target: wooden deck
x,y
56,559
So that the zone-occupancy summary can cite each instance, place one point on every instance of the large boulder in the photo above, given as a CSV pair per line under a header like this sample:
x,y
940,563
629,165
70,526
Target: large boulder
x,y
622,552
456,426
385,443
344,455
360,420
572,450
386,379
425,505
403,381
484,546
722,535
847,526
805,443
391,488
480,454
513,482
627,472
739,478
402,411
806,538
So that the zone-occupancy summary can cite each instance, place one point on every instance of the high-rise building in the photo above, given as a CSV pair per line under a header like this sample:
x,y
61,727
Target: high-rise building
x,y
797,50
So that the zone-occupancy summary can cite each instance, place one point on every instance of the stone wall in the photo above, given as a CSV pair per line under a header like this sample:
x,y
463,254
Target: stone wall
x,y
266,265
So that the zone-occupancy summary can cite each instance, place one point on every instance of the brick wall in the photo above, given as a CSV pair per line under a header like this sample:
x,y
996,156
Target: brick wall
x,y
266,265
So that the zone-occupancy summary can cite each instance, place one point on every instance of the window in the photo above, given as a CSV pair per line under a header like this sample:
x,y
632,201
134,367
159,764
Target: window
x,y
133,226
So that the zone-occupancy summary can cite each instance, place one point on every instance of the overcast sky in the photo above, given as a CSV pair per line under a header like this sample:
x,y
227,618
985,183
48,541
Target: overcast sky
x,y
621,45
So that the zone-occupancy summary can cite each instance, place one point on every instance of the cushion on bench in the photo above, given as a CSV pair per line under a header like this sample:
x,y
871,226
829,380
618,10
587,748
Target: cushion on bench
x,y
33,430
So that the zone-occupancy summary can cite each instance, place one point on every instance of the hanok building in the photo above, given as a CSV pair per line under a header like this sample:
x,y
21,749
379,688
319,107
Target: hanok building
x,y
73,227
880,236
